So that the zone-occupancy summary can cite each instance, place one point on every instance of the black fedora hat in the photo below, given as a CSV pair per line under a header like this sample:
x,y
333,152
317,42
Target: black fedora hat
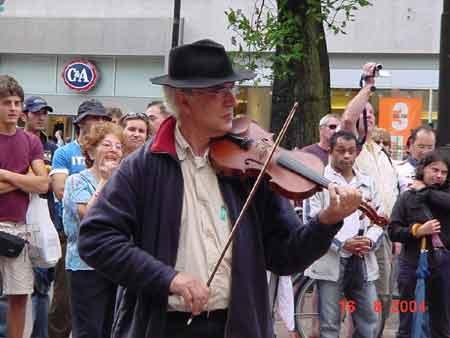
x,y
201,64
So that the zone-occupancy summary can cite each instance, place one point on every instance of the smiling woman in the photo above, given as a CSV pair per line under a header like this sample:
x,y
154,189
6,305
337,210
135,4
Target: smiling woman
x,y
96,141
90,292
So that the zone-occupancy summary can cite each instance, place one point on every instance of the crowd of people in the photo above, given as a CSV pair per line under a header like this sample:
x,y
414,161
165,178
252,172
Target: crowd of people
x,y
368,156
76,171
142,216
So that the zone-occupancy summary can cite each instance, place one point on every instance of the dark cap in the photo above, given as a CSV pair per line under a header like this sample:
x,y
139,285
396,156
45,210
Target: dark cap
x,y
33,104
91,108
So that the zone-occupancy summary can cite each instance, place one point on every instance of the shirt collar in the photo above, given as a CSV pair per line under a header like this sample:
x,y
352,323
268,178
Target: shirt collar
x,y
164,140
184,149
331,173
372,147
413,161
359,179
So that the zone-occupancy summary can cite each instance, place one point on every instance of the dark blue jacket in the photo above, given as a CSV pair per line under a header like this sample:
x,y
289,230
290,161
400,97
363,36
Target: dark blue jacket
x,y
131,235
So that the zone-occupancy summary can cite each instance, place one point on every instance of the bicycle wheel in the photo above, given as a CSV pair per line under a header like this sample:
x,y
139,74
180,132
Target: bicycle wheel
x,y
306,313
297,281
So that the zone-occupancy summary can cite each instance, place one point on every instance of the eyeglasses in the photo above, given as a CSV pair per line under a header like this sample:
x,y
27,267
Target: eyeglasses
x,y
133,115
221,91
110,146
425,146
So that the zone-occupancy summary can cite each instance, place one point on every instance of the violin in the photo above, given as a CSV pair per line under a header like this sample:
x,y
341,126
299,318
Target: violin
x,y
293,174
249,150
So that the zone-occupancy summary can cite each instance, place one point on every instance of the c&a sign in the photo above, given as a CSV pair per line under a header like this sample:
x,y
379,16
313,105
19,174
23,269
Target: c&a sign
x,y
80,75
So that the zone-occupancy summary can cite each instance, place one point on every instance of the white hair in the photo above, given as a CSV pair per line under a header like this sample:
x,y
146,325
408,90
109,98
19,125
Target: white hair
x,y
324,120
169,100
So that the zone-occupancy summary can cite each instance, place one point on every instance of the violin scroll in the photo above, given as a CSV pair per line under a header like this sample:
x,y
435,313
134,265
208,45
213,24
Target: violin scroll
x,y
373,215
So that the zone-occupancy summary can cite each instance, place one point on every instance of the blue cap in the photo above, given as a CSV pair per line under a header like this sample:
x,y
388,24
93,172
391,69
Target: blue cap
x,y
33,104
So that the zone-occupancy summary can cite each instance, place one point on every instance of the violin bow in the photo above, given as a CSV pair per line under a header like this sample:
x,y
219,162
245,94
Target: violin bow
x,y
259,178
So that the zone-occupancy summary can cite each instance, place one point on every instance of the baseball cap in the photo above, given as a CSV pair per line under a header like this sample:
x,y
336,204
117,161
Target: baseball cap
x,y
91,108
33,104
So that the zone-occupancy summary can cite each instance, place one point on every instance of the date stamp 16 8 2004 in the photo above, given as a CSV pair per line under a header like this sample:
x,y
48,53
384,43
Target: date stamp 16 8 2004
x,y
397,306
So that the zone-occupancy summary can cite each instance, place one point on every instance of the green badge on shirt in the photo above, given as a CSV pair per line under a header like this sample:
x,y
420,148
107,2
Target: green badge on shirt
x,y
223,213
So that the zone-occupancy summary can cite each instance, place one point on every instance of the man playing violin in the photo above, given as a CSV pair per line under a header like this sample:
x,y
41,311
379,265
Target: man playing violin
x,y
161,221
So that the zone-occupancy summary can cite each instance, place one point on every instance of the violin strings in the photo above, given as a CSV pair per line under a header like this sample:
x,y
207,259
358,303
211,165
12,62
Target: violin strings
x,y
299,168
303,170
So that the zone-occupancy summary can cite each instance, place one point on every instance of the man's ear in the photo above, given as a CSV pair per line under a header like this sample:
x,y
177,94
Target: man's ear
x,y
182,100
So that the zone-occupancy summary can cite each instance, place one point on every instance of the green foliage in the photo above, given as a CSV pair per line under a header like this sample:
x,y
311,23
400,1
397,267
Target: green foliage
x,y
275,26
332,8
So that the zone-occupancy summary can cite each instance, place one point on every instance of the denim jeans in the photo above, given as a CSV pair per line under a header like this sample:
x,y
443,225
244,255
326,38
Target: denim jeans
x,y
40,301
436,299
331,294
385,283
40,305
3,310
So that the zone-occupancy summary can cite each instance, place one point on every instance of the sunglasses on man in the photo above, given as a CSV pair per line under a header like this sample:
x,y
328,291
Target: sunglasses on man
x,y
329,126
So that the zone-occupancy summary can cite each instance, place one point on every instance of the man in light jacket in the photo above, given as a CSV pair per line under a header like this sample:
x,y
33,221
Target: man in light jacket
x,y
357,238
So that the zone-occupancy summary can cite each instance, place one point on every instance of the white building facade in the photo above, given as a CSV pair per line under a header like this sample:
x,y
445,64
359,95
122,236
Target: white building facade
x,y
128,42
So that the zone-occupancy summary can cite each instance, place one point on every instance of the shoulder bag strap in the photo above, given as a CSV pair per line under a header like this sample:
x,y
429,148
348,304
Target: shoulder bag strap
x,y
84,178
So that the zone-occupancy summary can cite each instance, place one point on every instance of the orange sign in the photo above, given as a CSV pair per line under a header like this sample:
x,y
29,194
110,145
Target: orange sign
x,y
399,115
